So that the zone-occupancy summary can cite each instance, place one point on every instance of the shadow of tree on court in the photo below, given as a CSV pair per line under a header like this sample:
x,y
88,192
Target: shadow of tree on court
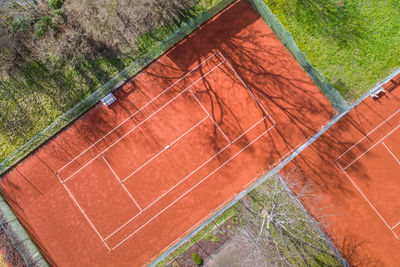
x,y
260,63
283,88
352,249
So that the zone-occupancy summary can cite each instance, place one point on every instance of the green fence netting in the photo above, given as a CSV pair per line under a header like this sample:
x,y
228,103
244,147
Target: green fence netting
x,y
286,38
19,238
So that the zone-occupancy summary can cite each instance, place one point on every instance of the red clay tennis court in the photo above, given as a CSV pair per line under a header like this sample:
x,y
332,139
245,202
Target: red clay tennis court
x,y
355,168
377,154
186,129
194,129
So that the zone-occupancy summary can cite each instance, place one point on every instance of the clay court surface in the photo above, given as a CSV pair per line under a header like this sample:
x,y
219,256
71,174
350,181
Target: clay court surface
x,y
192,130
360,181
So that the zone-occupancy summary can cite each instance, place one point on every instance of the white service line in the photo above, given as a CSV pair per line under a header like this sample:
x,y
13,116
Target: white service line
x,y
169,190
390,151
134,128
84,214
210,116
181,181
167,147
188,191
245,85
369,133
365,152
119,181
366,199
136,112
245,132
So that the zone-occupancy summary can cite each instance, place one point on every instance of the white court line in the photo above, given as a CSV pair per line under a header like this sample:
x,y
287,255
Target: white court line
x,y
355,185
245,85
171,144
369,148
390,151
119,181
188,191
216,124
263,119
151,101
395,225
134,128
169,190
142,210
369,133
181,181
84,214
366,199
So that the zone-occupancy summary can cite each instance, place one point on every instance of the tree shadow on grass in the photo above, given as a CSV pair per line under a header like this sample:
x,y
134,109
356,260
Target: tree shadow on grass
x,y
332,18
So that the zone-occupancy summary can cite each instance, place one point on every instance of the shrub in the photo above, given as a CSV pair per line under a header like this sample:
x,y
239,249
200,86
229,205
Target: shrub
x,y
20,24
43,26
56,4
197,259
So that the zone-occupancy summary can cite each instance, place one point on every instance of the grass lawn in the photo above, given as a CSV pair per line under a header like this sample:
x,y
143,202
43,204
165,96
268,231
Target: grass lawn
x,y
354,43
41,91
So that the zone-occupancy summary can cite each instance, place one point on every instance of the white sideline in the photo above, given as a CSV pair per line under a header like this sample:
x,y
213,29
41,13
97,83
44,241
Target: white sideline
x,y
245,85
369,133
83,212
136,126
148,103
205,178
355,185
167,147
184,179
119,181
365,152
390,151
369,202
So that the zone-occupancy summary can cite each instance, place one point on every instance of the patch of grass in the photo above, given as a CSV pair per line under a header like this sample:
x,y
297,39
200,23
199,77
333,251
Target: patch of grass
x,y
354,43
211,237
205,233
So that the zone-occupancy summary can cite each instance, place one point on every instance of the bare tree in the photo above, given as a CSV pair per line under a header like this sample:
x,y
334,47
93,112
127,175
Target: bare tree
x,y
279,226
